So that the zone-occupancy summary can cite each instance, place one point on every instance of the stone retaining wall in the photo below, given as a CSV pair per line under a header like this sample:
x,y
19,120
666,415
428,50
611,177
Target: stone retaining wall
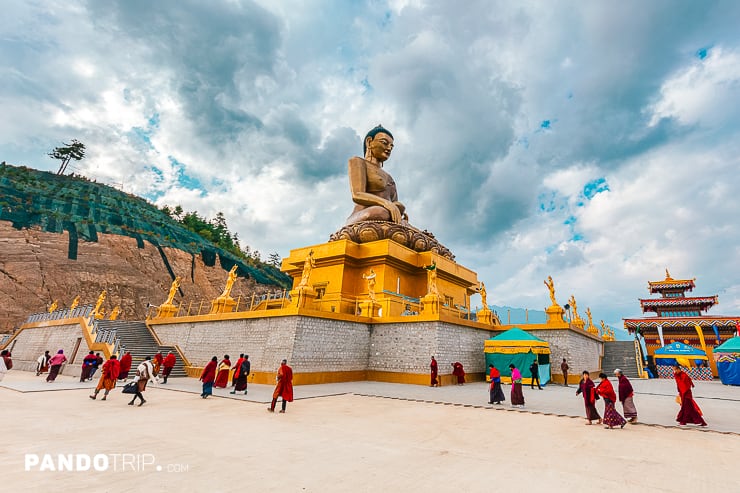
x,y
30,343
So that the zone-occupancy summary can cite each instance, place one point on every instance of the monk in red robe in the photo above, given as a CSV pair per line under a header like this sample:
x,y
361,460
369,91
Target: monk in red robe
x,y
157,362
208,377
87,365
222,377
433,369
690,411
108,377
167,365
612,417
125,366
284,386
459,372
586,387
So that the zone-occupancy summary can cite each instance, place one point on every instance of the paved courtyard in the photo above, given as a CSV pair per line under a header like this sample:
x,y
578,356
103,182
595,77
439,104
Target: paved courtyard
x,y
360,436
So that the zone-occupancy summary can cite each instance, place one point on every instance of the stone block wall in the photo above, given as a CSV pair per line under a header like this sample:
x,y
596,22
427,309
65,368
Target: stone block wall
x,y
31,343
324,345
408,347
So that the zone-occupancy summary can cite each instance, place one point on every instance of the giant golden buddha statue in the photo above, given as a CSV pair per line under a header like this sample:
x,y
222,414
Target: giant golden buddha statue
x,y
378,214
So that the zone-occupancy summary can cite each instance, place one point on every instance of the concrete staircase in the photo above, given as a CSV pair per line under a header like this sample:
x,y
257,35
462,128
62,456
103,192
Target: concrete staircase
x,y
620,354
136,338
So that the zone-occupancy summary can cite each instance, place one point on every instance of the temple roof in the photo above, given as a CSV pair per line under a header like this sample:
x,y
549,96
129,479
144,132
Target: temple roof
x,y
670,283
680,322
700,302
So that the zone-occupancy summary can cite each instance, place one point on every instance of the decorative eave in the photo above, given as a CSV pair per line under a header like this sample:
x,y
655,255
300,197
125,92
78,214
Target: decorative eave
x,y
670,284
632,324
700,302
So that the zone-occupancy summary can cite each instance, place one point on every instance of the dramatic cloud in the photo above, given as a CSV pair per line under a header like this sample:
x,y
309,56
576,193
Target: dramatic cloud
x,y
594,142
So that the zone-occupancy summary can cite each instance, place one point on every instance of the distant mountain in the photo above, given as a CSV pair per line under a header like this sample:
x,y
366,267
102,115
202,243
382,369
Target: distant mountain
x,y
64,235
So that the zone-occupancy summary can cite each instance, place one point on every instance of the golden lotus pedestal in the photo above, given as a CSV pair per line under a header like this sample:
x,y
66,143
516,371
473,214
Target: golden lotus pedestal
x,y
223,304
555,315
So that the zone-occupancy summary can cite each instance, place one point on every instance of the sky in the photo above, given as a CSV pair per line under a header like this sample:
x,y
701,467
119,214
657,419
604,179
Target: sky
x,y
594,142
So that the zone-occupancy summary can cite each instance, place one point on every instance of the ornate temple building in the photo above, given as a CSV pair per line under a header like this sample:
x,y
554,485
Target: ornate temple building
x,y
678,318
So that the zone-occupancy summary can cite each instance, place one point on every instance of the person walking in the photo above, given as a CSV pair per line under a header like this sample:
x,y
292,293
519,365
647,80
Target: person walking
x,y
241,375
517,396
208,377
55,364
125,366
98,362
564,368
496,393
626,394
611,417
144,373
459,372
108,377
586,387
6,363
284,386
42,363
222,377
87,365
433,372
690,411
534,370
167,365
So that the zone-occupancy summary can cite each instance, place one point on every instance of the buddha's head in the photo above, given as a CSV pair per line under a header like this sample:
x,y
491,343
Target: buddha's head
x,y
379,142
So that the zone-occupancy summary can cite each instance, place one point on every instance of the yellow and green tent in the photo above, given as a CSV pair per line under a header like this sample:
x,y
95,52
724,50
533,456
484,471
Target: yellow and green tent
x,y
520,348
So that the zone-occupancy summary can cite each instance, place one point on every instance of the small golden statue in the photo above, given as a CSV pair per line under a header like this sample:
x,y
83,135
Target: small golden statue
x,y
574,305
370,277
667,274
99,303
432,279
54,306
173,290
114,314
75,302
551,287
100,314
308,264
230,282
483,294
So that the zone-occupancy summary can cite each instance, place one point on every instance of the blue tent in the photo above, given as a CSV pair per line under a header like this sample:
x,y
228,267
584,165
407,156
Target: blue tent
x,y
727,356
678,353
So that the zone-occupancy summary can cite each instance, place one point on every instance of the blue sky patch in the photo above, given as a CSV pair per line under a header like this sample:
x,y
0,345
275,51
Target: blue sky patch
x,y
702,53
184,180
594,187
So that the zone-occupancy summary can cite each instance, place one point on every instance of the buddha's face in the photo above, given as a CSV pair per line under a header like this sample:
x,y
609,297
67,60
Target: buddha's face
x,y
380,147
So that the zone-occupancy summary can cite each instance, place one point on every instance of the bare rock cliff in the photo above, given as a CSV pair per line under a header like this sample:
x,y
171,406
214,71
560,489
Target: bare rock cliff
x,y
35,270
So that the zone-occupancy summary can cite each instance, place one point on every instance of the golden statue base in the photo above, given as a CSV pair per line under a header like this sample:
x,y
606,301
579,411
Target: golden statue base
x,y
303,297
555,315
485,316
579,324
223,304
430,304
369,309
166,311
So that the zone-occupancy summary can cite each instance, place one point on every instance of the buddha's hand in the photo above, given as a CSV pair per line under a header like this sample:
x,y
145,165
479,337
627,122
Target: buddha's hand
x,y
394,211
